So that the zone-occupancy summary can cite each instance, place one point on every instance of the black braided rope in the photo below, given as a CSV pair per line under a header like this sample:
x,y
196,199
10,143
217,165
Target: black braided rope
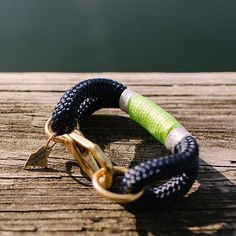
x,y
180,168
82,100
183,165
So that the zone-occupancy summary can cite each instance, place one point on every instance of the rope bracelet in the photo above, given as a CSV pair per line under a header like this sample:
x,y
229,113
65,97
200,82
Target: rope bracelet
x,y
180,167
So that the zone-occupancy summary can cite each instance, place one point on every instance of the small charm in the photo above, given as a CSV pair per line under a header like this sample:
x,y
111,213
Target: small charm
x,y
40,157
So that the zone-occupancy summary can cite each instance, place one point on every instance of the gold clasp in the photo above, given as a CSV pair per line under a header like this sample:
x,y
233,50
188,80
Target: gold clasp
x,y
88,154
93,162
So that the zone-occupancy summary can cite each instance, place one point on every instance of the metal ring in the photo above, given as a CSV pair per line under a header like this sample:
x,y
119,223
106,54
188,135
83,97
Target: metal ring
x,y
49,132
120,198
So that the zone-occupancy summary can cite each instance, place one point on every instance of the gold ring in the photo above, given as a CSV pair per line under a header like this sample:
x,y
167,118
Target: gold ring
x,y
120,198
49,133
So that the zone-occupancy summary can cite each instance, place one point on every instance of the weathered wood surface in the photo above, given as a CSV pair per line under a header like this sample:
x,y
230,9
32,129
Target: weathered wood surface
x,y
51,202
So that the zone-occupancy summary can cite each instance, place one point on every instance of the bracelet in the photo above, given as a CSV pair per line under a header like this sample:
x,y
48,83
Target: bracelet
x,y
180,167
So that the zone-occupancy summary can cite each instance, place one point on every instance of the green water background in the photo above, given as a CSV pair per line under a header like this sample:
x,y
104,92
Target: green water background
x,y
110,35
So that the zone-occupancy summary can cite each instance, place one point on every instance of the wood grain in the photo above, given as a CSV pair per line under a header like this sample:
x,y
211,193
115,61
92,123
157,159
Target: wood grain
x,y
55,202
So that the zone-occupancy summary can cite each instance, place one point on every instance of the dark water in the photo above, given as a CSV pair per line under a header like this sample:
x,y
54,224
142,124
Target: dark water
x,y
112,35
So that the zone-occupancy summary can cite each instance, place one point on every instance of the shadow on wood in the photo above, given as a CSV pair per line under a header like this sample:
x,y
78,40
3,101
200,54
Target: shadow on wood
x,y
203,211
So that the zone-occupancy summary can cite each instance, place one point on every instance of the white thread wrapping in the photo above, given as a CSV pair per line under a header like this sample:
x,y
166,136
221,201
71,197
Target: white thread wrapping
x,y
124,99
175,136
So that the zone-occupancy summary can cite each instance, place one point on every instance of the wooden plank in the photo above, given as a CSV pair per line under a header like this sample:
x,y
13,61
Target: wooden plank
x,y
51,202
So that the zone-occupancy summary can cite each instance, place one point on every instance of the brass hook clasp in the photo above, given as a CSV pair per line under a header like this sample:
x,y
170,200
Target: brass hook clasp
x,y
88,154
93,162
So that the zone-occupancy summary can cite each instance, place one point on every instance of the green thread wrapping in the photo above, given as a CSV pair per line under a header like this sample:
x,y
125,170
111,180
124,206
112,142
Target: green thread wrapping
x,y
151,117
